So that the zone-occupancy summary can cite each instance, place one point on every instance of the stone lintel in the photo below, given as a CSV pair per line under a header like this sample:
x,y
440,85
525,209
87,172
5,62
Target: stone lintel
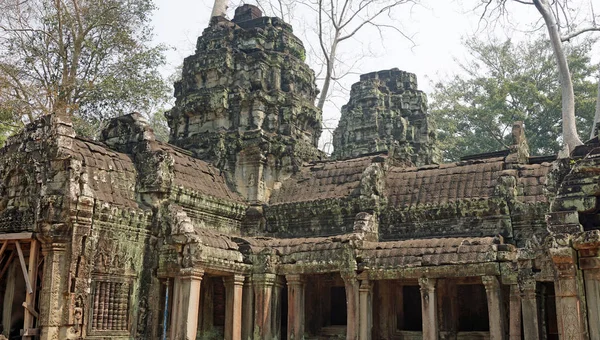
x,y
443,271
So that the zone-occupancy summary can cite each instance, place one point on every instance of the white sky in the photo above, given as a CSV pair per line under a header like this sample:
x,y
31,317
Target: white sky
x,y
436,27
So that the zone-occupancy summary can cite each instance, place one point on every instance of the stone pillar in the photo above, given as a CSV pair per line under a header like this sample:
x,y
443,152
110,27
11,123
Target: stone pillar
x,y
514,329
52,297
186,302
531,324
263,296
352,303
295,324
495,307
366,309
429,308
571,325
592,293
233,306
247,310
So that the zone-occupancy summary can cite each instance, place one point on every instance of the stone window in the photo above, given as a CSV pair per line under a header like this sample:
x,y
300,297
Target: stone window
x,y
110,308
472,309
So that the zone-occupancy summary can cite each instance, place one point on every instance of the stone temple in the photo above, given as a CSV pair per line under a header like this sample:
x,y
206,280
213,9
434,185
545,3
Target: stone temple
x,y
240,228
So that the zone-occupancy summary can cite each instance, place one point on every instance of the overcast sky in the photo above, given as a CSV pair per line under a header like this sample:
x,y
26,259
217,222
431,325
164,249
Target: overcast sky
x,y
436,28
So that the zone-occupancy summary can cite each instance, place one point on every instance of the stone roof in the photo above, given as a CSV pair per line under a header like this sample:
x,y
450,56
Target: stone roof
x,y
110,175
323,180
444,183
473,179
435,251
194,174
406,253
411,186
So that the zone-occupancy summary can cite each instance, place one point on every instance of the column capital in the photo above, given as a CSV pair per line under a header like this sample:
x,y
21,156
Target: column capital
x,y
348,276
294,279
427,284
365,285
235,279
53,247
191,274
266,279
491,283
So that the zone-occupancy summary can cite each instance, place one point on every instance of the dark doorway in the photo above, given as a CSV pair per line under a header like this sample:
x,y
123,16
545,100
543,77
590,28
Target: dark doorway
x,y
284,312
411,307
472,309
218,303
548,309
339,313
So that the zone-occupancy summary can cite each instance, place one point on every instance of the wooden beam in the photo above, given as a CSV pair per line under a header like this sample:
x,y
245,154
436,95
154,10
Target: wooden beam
x,y
16,236
30,313
30,310
4,245
7,264
24,268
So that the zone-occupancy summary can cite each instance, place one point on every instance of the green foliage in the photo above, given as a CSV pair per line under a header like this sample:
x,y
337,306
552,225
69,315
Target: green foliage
x,y
88,58
507,82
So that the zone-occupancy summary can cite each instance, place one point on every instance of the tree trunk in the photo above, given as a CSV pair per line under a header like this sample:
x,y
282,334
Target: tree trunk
x,y
328,74
570,136
219,8
597,115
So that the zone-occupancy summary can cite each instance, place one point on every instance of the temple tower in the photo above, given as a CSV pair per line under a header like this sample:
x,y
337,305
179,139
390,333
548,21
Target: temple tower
x,y
386,112
246,102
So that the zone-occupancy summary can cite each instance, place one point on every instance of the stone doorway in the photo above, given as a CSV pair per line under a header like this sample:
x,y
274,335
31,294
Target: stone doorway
x,y
547,308
211,319
325,306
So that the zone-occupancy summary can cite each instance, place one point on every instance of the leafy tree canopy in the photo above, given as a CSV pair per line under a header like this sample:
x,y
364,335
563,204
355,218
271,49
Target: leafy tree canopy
x,y
506,82
91,59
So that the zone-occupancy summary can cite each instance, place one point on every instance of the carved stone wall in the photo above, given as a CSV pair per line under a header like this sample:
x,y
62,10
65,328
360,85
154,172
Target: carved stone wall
x,y
386,112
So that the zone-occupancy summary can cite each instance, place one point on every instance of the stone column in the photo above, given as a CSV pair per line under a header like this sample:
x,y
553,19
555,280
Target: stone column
x,y
186,302
571,323
295,324
495,309
592,293
429,308
352,303
514,330
233,306
263,296
52,297
366,309
531,324
247,309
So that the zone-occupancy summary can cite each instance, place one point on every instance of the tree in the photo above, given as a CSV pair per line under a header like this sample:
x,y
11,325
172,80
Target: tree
x,y
557,17
506,82
90,59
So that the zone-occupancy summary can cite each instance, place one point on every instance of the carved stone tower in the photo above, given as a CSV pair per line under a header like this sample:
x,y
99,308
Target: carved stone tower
x,y
386,112
246,102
